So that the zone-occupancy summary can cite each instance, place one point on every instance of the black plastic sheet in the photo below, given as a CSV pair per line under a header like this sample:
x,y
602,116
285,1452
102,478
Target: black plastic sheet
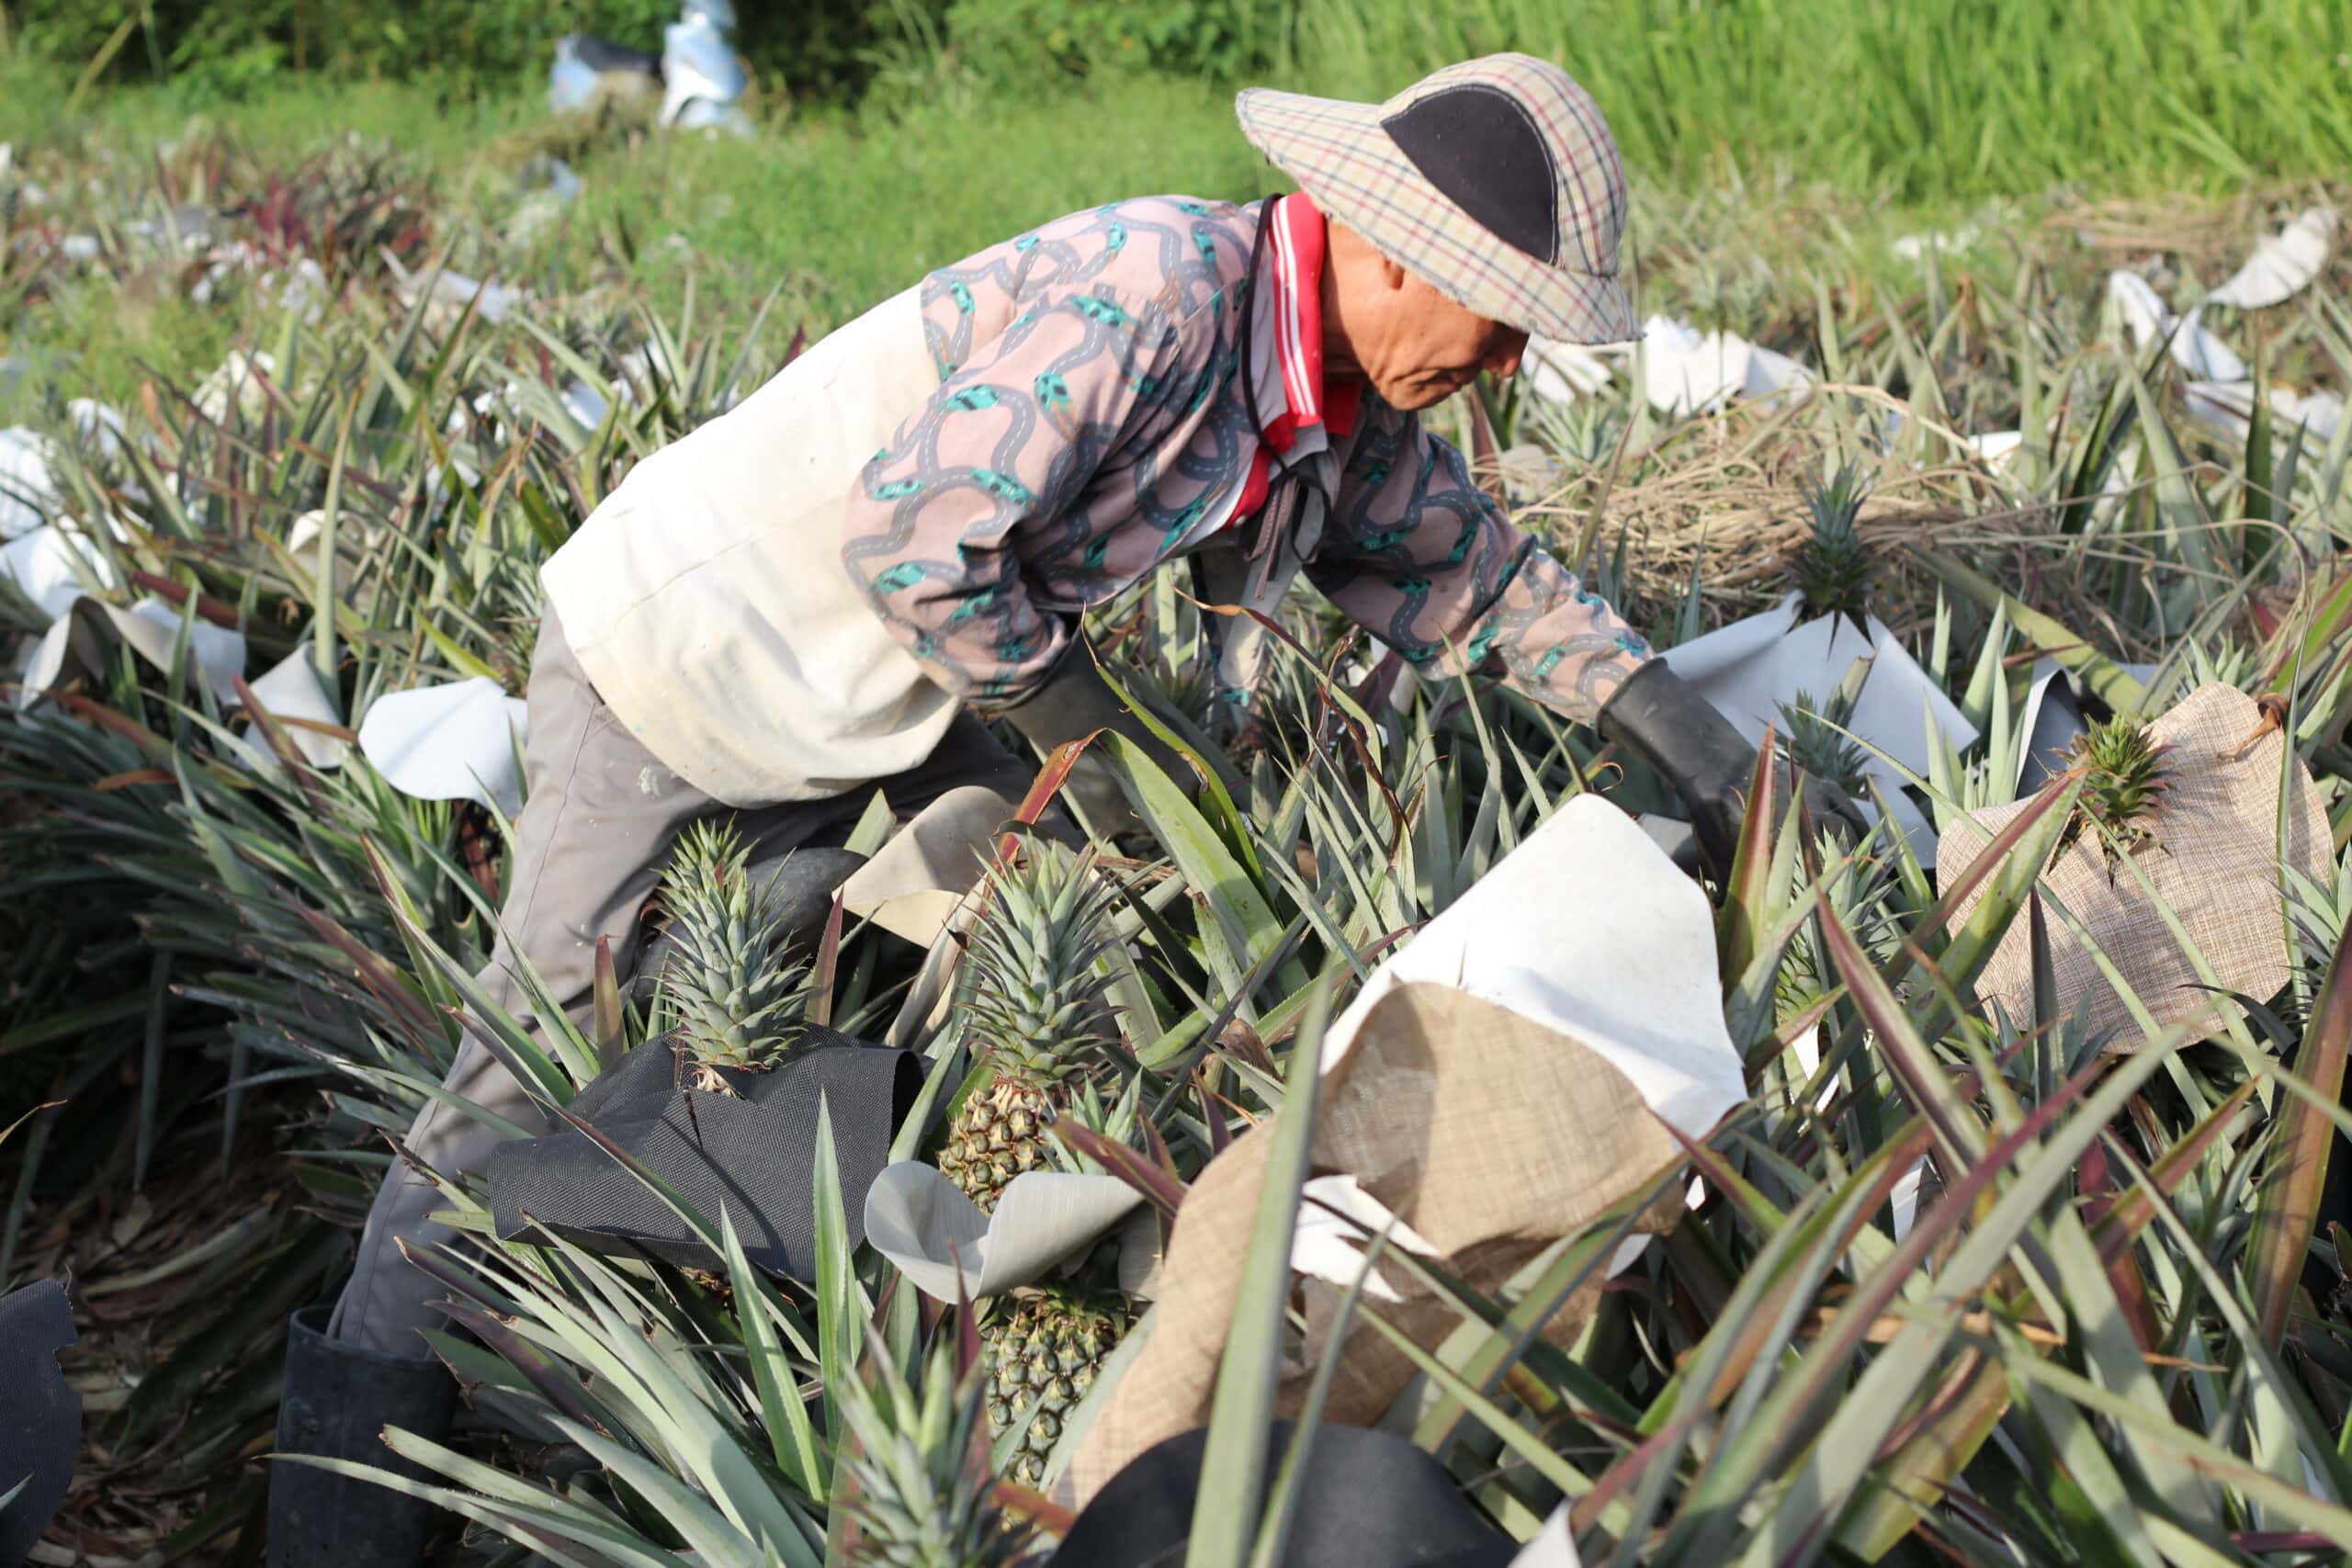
x,y
1369,1500
40,1418
752,1151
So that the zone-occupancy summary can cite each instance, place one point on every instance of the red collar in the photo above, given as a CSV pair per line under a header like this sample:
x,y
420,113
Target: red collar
x,y
1296,248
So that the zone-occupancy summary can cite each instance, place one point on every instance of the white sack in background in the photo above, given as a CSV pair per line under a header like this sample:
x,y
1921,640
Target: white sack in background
x,y
2282,265
2193,348
2228,407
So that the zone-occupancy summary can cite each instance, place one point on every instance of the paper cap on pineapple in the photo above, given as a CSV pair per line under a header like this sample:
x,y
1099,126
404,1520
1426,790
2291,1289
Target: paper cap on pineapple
x,y
1505,1081
2214,861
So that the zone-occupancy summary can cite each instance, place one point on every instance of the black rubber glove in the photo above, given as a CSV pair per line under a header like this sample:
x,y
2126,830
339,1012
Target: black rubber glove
x,y
1661,720
1075,701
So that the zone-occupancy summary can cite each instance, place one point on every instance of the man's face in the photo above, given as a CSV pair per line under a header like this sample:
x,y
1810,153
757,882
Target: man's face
x,y
1416,347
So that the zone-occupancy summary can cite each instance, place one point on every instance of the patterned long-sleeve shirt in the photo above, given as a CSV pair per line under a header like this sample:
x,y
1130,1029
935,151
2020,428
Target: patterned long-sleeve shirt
x,y
1090,413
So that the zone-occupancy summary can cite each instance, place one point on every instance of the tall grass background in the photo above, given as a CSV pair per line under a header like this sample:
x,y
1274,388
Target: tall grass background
x,y
1922,100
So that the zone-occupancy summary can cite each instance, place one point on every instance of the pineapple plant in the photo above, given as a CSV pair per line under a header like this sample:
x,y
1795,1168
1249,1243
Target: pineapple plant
x,y
1831,569
2125,776
1042,1039
1036,1016
921,1494
730,983
1818,744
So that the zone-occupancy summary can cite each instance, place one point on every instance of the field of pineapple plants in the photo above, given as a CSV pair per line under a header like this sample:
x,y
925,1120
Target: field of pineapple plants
x,y
1977,1192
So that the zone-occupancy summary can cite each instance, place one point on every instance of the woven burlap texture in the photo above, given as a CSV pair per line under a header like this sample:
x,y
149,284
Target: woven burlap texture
x,y
1491,1136
2214,863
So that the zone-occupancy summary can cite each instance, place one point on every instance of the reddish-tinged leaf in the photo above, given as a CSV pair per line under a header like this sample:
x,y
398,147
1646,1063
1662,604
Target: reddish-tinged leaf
x,y
381,980
207,607
610,1022
1047,785
1159,1186
554,1384
967,1323
829,958
1924,1082
1738,926
135,776
1957,890
297,766
1024,1503
2299,1152
105,718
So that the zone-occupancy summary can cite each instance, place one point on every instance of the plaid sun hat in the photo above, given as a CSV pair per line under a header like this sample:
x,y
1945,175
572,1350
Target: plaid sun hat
x,y
1495,180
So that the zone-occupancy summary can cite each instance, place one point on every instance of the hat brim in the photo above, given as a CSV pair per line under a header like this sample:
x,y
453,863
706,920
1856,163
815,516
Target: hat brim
x,y
1338,153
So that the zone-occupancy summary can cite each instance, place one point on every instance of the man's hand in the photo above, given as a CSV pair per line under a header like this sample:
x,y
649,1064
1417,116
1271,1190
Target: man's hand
x,y
1661,720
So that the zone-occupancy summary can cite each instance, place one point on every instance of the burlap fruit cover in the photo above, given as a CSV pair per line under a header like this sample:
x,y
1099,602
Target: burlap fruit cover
x,y
2214,863
1486,1132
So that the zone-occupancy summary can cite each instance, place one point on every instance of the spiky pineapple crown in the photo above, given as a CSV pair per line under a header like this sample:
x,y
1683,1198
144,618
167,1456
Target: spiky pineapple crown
x,y
922,1496
1831,569
1817,742
1037,1007
731,982
2125,776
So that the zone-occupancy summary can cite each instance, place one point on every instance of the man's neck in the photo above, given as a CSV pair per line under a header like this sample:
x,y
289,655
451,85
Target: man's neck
x,y
1340,257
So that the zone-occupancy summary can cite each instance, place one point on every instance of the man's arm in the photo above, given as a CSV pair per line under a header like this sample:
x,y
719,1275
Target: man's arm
x,y
1420,556
1006,447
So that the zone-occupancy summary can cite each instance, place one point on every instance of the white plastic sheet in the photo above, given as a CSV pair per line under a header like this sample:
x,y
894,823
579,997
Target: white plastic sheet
x,y
1551,1547
2193,348
1560,372
1748,669
28,493
1631,978
1686,371
43,561
453,742
2228,407
2282,265
1337,1220
291,690
936,1237
151,628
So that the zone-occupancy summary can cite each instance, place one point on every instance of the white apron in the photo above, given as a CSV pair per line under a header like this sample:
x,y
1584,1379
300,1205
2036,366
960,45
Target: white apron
x,y
707,601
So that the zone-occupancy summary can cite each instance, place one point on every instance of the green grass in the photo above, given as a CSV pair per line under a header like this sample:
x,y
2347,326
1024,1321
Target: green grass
x,y
1813,131
1918,99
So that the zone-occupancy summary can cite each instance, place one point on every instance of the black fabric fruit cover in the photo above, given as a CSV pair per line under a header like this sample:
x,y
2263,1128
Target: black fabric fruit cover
x,y
40,1418
1369,1500
753,1152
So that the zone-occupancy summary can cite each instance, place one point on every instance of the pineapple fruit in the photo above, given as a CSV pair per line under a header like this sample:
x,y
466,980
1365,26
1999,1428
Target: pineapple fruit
x,y
2125,780
730,983
1831,569
1042,1352
922,1495
1040,1028
1036,1017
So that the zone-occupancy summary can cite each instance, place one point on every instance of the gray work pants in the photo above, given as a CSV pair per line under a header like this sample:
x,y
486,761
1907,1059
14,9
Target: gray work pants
x,y
598,821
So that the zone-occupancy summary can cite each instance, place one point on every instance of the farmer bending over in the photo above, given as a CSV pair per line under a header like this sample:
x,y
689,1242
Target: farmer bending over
x,y
827,590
